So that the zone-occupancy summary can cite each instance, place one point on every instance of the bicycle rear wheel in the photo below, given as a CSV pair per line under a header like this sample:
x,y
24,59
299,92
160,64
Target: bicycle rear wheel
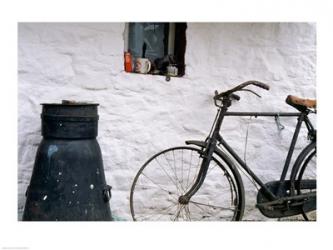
x,y
307,182
169,174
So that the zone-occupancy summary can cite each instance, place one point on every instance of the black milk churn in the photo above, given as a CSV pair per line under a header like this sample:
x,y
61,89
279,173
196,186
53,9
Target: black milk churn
x,y
68,181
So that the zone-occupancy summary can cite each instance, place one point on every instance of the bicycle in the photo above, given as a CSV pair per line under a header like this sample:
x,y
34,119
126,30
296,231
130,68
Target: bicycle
x,y
173,185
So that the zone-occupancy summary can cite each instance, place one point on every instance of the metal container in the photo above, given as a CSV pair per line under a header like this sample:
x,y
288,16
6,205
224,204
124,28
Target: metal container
x,y
68,181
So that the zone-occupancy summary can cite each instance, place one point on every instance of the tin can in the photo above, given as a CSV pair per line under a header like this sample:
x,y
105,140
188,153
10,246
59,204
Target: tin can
x,y
128,61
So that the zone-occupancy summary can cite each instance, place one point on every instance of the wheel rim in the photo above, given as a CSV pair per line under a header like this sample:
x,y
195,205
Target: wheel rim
x,y
168,175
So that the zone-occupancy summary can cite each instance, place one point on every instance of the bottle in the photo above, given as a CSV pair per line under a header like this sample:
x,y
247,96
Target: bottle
x,y
128,61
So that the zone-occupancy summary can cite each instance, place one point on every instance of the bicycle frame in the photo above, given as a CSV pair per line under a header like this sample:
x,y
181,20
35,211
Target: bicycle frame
x,y
302,117
217,138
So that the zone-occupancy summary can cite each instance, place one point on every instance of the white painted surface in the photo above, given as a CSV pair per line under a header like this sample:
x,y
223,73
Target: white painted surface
x,y
142,114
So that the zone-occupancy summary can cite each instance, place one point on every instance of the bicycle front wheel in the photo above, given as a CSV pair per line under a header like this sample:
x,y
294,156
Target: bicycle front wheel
x,y
169,174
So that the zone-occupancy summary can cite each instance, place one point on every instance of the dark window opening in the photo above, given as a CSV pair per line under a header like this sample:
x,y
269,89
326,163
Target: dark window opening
x,y
156,48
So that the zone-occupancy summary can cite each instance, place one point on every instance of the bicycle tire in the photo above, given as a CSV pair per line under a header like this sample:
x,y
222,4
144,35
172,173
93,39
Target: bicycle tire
x,y
303,176
155,189
307,172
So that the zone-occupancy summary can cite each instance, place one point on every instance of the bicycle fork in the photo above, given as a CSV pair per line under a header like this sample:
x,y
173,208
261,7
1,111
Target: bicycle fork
x,y
207,156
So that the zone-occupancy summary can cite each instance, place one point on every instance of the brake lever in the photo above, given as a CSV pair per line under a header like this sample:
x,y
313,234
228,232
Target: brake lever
x,y
235,97
249,90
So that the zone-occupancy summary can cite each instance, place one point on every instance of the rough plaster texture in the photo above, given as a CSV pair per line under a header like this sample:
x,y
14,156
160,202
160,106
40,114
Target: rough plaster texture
x,y
142,114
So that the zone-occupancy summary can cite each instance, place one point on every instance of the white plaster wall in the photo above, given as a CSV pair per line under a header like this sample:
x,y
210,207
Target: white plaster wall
x,y
142,114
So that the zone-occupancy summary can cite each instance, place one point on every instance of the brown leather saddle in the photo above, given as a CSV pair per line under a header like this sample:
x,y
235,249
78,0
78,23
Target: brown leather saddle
x,y
301,104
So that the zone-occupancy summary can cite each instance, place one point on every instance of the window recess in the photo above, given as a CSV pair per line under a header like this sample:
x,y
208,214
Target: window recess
x,y
155,48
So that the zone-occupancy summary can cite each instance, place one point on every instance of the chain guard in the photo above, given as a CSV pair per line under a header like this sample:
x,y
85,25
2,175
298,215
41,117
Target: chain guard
x,y
284,209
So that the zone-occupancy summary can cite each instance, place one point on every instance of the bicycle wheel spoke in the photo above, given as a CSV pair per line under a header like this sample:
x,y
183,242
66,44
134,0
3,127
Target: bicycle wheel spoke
x,y
182,171
212,206
166,210
175,171
173,196
179,178
159,212
178,212
162,188
196,174
189,171
183,185
187,212
167,174
159,217
176,182
205,211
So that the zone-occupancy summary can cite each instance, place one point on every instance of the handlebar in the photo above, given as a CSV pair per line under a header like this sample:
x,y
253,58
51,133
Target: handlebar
x,y
240,87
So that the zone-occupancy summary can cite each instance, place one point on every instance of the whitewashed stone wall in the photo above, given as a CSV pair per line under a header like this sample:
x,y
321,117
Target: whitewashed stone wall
x,y
142,114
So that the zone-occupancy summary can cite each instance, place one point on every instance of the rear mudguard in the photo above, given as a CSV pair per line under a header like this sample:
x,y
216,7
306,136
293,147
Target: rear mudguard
x,y
230,164
297,165
300,159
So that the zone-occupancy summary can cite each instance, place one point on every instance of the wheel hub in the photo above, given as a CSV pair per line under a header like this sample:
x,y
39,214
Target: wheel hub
x,y
184,200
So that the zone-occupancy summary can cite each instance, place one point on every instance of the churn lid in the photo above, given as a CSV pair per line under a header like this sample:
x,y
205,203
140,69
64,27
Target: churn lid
x,y
69,120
